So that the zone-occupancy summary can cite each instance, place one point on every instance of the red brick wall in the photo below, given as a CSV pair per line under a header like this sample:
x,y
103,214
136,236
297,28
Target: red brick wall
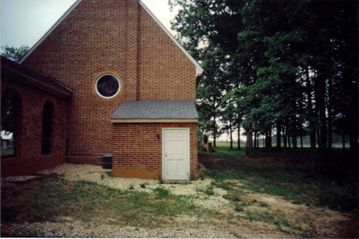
x,y
110,36
136,146
165,71
28,158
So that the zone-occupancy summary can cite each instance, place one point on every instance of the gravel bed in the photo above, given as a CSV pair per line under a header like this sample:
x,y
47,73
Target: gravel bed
x,y
94,173
80,229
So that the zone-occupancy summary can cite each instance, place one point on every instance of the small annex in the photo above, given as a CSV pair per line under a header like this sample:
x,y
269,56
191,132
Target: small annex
x,y
158,139
124,87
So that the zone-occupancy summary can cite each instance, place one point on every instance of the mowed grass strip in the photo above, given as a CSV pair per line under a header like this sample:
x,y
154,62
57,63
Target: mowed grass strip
x,y
86,201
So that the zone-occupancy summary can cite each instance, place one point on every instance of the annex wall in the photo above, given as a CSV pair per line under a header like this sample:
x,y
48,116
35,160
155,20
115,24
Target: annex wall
x,y
137,149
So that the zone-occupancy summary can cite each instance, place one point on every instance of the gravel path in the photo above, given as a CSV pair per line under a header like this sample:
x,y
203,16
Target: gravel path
x,y
80,229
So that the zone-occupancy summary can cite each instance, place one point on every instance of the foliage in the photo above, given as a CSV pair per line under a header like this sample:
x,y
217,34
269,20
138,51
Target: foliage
x,y
288,65
14,53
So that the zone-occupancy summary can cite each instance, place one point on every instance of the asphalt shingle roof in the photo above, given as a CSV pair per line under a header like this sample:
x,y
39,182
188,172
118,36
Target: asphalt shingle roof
x,y
156,109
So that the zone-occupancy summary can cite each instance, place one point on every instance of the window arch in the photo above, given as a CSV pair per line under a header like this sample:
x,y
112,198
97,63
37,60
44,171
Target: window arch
x,y
47,127
11,111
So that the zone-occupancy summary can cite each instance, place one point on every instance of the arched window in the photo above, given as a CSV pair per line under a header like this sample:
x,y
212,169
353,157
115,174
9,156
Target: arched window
x,y
47,127
11,107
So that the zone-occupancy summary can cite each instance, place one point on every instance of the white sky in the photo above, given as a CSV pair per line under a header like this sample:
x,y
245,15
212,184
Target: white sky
x,y
23,22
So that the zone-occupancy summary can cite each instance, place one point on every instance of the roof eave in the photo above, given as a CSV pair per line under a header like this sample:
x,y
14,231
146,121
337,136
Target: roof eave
x,y
153,120
31,81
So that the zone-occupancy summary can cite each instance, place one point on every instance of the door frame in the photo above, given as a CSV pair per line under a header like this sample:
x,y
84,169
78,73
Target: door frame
x,y
188,152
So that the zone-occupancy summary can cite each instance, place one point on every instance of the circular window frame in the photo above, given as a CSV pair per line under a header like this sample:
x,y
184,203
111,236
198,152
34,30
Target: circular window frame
x,y
114,76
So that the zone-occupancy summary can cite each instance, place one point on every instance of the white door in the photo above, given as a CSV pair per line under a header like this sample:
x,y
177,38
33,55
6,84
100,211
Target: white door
x,y
175,154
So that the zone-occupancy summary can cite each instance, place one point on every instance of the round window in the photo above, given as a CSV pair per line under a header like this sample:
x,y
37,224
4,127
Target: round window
x,y
108,86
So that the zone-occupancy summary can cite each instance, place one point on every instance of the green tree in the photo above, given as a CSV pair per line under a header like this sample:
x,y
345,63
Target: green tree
x,y
289,65
14,53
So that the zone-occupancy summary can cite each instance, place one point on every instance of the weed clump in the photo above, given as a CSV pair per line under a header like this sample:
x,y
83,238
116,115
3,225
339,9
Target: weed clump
x,y
161,192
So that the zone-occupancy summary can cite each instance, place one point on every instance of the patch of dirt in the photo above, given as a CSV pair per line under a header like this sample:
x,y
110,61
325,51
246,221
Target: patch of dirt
x,y
350,230
322,221
255,229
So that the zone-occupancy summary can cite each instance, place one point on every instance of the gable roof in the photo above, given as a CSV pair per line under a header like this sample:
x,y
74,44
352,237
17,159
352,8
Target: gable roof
x,y
156,111
199,69
27,76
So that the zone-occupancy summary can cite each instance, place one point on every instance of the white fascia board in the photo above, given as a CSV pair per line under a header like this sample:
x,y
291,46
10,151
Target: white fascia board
x,y
57,23
154,120
199,69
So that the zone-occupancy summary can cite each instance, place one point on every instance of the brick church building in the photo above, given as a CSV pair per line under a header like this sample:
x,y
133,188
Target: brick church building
x,y
107,78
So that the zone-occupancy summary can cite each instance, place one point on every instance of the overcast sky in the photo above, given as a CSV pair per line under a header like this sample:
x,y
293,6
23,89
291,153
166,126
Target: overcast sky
x,y
23,22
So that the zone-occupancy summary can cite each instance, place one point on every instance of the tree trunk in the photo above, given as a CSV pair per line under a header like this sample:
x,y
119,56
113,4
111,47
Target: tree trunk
x,y
214,124
320,90
310,112
353,141
343,140
214,132
330,113
249,143
285,138
264,142
214,139
230,137
266,135
239,137
255,140
294,132
278,136
289,142
301,141
294,139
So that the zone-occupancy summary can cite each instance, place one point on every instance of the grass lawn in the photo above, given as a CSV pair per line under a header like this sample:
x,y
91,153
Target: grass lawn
x,y
89,201
239,198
